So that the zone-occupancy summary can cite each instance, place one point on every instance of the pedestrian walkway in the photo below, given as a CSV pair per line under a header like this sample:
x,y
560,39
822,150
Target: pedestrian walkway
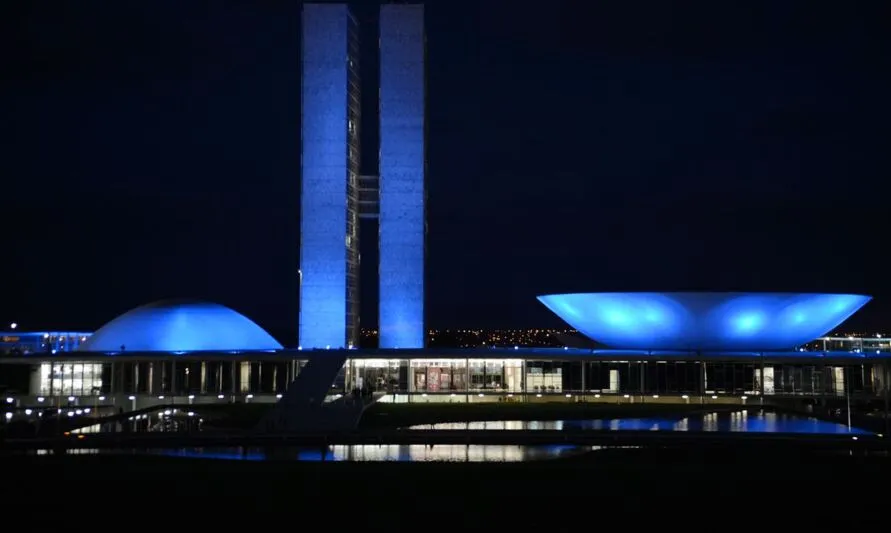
x,y
303,408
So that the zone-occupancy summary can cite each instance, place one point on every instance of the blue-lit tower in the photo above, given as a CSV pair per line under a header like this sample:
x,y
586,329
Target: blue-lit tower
x,y
329,159
402,169
331,185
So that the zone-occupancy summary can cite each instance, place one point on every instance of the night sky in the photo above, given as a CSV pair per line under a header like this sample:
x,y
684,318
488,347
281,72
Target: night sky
x,y
152,150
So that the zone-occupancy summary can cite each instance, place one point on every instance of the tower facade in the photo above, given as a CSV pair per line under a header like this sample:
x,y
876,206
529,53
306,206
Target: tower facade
x,y
403,192
330,186
329,160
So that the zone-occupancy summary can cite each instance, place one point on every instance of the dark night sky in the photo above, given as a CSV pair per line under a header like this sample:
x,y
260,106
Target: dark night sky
x,y
152,150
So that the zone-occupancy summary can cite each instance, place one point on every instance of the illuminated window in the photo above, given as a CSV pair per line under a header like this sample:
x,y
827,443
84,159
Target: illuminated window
x,y
77,379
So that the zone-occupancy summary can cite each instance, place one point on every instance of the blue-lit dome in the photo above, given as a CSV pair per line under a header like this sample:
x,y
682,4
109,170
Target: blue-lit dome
x,y
180,326
703,321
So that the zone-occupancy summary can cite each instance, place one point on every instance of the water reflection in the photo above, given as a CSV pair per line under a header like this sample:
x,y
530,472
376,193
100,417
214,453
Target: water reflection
x,y
496,424
72,451
364,453
739,421
446,453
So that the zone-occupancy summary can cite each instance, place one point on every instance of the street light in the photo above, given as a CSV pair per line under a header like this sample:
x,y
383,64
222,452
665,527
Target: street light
x,y
13,325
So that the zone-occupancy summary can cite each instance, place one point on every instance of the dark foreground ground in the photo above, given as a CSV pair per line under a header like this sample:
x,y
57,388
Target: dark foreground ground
x,y
724,489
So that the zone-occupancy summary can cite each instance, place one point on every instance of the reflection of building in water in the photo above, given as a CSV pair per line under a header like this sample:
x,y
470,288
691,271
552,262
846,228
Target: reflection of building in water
x,y
72,451
738,420
710,422
495,425
449,453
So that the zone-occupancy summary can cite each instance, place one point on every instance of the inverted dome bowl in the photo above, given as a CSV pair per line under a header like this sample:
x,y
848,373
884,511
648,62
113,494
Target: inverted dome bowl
x,y
703,320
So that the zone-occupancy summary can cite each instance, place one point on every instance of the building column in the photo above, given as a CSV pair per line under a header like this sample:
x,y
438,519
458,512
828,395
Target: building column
x,y
157,378
885,375
467,380
643,380
52,379
761,381
702,381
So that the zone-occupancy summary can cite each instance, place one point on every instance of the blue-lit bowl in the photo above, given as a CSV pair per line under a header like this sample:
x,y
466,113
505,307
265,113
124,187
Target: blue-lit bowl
x,y
179,326
703,320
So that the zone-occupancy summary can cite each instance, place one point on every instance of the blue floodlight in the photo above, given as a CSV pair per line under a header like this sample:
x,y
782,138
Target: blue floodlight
x,y
703,321
402,160
180,326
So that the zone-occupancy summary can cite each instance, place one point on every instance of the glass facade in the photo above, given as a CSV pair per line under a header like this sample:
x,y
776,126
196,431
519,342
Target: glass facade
x,y
204,377
402,200
72,379
27,343
452,379
329,240
502,377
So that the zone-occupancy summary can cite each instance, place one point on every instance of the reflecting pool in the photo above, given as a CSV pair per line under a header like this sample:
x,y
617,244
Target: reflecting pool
x,y
367,452
738,421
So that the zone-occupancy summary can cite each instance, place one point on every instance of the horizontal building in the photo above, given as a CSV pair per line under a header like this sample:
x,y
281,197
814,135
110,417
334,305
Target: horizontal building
x,y
185,352
493,374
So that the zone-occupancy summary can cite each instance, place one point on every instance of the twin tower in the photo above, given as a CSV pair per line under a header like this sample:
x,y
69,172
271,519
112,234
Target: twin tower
x,y
331,203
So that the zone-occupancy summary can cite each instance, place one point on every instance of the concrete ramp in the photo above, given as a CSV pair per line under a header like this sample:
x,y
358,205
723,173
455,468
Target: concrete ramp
x,y
302,407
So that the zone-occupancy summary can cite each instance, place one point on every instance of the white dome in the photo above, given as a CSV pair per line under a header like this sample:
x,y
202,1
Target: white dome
x,y
180,326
